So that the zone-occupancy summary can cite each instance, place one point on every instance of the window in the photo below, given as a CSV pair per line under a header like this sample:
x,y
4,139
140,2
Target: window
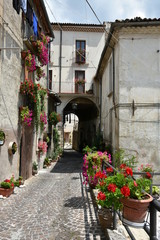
x,y
50,79
79,81
80,51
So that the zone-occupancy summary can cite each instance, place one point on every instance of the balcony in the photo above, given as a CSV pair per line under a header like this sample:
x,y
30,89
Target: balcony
x,y
80,57
80,85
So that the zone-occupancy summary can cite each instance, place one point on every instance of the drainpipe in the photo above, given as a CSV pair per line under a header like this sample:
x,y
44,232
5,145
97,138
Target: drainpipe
x,y
113,76
48,65
60,61
100,114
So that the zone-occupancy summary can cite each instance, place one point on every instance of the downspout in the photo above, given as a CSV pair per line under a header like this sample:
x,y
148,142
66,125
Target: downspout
x,y
113,76
48,65
60,61
100,113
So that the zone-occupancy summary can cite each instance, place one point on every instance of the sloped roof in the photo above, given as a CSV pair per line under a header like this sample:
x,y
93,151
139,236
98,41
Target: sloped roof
x,y
118,24
79,27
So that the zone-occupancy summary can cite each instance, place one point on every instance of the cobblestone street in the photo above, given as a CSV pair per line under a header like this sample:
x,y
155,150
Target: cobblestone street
x,y
53,205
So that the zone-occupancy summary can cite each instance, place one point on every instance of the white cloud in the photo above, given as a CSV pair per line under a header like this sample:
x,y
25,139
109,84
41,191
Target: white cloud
x,y
78,10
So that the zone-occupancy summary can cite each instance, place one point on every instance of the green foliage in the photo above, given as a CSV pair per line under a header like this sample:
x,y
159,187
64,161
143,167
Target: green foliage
x,y
54,118
46,162
56,138
6,185
35,165
2,135
120,157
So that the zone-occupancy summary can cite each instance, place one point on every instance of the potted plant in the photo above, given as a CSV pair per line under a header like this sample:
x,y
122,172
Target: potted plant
x,y
26,115
42,146
2,137
93,164
120,189
54,118
12,149
80,81
34,168
7,187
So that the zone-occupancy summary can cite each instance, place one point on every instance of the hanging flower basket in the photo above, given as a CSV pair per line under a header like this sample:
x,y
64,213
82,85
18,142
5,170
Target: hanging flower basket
x,y
2,138
12,149
24,54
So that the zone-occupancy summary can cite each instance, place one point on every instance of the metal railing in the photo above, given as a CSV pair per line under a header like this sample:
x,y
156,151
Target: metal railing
x,y
149,227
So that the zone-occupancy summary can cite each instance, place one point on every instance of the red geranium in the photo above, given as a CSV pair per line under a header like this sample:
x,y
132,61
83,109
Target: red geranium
x,y
148,175
129,171
125,191
112,187
109,170
101,196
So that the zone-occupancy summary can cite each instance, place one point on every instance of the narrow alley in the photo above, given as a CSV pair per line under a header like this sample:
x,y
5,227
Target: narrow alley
x,y
53,205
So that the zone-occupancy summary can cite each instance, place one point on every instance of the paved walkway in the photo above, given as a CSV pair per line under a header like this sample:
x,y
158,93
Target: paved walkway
x,y
54,205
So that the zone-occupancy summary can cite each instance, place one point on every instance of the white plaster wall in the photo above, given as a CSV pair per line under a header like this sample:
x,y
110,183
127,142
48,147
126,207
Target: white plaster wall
x,y
10,62
94,46
139,81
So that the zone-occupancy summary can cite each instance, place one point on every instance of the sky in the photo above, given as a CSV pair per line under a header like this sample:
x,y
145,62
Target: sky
x,y
78,11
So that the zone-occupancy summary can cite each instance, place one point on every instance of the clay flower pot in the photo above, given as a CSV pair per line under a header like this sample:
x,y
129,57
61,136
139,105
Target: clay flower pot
x,y
135,210
6,192
24,54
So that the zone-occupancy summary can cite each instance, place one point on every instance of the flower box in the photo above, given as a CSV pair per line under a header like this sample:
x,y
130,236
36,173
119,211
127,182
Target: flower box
x,y
6,192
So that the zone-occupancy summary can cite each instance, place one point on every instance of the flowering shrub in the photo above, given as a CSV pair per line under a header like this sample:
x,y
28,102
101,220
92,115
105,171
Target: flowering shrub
x,y
45,39
40,73
35,94
54,118
80,81
26,115
92,166
42,146
43,121
30,61
41,52
148,169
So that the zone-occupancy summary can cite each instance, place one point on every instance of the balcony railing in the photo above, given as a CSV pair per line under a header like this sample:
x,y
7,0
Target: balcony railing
x,y
80,57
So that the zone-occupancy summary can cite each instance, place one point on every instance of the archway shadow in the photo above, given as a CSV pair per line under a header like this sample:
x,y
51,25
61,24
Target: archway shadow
x,y
71,162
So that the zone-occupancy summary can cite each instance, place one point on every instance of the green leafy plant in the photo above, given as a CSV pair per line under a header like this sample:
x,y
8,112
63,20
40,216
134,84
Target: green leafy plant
x,y
14,148
35,165
8,183
120,157
2,135
54,118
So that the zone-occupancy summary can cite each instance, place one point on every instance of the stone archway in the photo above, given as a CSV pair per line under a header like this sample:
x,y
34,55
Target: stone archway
x,y
87,112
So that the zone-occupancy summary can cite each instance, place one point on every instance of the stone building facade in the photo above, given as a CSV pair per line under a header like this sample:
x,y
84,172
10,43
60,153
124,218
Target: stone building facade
x,y
128,82
16,28
75,53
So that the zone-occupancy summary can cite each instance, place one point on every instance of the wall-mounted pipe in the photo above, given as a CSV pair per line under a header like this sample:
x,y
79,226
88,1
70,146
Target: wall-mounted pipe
x,y
60,61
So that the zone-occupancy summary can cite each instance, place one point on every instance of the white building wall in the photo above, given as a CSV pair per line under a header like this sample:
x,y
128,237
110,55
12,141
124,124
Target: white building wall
x,y
94,46
139,81
10,77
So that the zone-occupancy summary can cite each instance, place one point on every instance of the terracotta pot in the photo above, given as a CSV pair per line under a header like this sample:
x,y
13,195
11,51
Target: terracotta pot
x,y
135,210
6,192
105,216
23,54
